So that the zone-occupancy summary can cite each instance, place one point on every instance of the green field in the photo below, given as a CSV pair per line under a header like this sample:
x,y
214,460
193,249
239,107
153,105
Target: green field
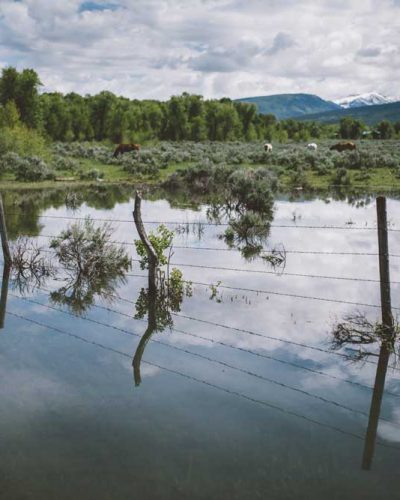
x,y
375,164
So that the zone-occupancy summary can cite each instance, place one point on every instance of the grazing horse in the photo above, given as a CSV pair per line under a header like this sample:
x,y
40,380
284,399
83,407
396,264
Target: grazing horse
x,y
312,146
268,147
126,148
343,146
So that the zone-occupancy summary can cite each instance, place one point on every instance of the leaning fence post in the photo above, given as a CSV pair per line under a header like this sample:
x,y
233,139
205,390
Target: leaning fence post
x,y
151,253
3,233
152,291
387,334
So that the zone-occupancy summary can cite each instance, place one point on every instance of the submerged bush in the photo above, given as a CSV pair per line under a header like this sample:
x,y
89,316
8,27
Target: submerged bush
x,y
86,249
253,189
94,264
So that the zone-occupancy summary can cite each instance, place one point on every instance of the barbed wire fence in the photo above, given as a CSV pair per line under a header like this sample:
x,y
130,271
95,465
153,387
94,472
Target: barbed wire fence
x,y
383,256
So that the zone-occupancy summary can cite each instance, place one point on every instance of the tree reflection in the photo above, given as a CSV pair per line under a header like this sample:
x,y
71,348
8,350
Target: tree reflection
x,y
30,269
23,207
79,293
248,231
357,331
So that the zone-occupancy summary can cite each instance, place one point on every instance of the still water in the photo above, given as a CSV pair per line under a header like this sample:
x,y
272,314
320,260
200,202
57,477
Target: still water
x,y
240,396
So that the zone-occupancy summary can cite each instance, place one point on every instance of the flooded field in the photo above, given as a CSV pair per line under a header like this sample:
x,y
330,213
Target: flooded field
x,y
234,389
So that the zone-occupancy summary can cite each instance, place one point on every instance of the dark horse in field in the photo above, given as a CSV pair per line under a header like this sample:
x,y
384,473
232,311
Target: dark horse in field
x,y
126,148
343,146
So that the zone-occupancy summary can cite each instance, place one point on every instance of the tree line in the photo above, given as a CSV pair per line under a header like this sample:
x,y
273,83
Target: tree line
x,y
350,128
107,117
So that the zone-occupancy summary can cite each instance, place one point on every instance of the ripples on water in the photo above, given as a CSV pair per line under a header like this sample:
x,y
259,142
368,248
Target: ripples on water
x,y
240,397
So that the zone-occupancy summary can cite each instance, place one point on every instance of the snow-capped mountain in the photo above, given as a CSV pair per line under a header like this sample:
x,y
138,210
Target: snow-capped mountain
x,y
368,99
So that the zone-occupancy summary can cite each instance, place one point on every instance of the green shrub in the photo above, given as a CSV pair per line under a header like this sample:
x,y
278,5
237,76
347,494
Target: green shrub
x,y
92,174
161,241
65,163
9,162
33,169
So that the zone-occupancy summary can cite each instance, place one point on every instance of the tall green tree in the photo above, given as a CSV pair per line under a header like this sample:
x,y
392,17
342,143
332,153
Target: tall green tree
x,y
350,128
23,89
9,115
385,130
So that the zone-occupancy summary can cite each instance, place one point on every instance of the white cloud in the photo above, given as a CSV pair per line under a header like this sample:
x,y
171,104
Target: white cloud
x,y
156,48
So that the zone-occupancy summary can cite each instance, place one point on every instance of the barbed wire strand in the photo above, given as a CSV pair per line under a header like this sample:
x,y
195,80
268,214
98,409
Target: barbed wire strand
x,y
267,292
207,223
235,250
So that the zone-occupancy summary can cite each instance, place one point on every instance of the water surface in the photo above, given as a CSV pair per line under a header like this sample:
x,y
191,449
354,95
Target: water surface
x,y
257,407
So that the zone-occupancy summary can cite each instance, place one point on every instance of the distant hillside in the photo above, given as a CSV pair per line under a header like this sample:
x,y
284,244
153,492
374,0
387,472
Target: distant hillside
x,y
290,105
368,114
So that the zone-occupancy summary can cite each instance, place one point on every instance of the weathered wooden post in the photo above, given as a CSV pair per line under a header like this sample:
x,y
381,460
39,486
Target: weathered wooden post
x,y
151,253
387,318
387,334
3,233
152,290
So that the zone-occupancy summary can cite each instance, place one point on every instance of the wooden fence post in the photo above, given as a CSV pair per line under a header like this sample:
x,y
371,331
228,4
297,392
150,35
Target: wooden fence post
x,y
387,318
3,233
152,289
387,333
151,253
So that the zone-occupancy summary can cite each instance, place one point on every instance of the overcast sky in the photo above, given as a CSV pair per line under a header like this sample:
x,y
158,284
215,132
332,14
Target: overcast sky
x,y
234,48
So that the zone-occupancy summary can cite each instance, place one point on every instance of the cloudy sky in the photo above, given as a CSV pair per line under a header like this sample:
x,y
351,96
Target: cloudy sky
x,y
235,48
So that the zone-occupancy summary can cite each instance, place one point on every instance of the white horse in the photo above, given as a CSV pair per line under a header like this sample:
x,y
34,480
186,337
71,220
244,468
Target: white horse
x,y
268,147
312,146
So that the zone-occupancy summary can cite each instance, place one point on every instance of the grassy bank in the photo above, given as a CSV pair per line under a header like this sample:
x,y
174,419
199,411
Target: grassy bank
x,y
383,178
375,164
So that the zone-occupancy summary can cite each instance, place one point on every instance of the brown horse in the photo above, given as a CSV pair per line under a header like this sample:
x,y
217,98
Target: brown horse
x,y
126,148
343,146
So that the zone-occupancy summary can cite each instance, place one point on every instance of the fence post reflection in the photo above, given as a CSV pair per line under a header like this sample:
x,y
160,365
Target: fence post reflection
x,y
151,327
4,292
375,409
387,332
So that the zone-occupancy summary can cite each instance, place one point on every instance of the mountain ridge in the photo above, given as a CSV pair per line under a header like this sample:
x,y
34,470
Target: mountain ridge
x,y
293,105
365,99
368,114
368,107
